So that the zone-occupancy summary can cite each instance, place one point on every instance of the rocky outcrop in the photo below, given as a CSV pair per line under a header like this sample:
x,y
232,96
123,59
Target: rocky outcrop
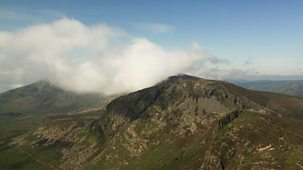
x,y
229,117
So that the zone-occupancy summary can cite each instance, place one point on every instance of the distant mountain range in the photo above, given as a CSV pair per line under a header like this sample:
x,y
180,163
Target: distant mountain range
x,y
44,97
184,122
290,87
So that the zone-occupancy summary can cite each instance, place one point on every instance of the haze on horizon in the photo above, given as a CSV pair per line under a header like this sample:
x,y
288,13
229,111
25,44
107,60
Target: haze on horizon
x,y
117,46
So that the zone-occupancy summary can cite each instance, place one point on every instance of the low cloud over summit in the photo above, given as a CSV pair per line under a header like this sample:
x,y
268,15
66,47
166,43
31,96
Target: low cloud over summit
x,y
92,58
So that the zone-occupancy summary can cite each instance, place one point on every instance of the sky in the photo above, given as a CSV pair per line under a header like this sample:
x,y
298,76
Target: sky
x,y
115,46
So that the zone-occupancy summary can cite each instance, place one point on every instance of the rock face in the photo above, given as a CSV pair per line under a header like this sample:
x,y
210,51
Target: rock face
x,y
183,122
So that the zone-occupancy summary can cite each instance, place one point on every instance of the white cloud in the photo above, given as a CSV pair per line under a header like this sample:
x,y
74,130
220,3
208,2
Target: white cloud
x,y
91,58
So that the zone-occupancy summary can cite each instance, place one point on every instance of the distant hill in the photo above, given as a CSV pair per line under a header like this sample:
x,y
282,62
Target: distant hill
x,y
290,87
44,97
183,122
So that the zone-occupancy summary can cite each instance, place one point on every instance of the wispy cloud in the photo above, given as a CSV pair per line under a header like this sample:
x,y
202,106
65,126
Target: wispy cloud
x,y
29,15
156,27
196,48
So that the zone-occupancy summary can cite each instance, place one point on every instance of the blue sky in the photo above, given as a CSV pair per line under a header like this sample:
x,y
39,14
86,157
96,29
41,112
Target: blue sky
x,y
233,28
263,35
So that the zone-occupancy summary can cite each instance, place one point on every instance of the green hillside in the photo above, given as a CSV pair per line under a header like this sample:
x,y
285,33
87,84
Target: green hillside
x,y
24,109
43,97
182,123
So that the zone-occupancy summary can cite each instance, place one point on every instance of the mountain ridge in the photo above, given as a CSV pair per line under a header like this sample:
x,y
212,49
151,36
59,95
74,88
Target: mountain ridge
x,y
180,123
45,97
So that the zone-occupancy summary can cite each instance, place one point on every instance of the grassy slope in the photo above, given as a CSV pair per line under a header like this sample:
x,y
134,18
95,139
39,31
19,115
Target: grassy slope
x,y
25,156
260,141
22,110
13,157
29,155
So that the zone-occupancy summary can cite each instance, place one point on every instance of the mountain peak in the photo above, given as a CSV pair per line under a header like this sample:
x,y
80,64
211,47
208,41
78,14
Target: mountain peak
x,y
182,77
182,92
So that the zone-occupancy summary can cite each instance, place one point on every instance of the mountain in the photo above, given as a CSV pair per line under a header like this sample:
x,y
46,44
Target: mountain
x,y
289,87
184,122
44,97
24,108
